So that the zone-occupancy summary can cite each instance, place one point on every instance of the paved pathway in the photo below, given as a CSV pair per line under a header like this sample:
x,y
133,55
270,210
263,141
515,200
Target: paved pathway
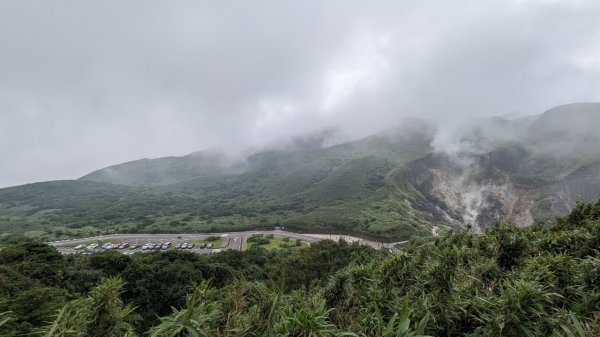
x,y
231,240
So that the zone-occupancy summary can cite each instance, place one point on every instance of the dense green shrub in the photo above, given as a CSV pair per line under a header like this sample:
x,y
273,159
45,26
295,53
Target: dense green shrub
x,y
508,282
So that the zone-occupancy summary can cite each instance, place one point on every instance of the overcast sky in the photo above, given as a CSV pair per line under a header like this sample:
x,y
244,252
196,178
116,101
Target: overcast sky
x,y
86,84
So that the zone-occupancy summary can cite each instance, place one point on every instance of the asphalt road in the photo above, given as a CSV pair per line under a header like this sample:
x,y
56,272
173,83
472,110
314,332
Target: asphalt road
x,y
231,240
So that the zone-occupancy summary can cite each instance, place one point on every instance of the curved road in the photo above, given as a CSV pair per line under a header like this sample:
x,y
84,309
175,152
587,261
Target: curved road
x,y
232,240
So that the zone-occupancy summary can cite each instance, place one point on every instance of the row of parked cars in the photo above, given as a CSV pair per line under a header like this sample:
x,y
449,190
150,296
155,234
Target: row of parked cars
x,y
88,249
184,245
157,246
106,246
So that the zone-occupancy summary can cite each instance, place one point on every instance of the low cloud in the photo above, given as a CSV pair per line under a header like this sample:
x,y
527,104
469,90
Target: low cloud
x,y
85,85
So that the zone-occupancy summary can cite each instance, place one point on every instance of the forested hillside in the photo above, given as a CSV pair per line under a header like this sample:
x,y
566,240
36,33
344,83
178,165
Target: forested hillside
x,y
388,186
511,281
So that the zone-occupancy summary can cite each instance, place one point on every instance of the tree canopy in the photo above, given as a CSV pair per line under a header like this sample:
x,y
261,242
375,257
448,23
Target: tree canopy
x,y
510,281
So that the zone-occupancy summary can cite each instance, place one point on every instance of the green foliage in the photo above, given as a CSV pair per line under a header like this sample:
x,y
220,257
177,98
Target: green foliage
x,y
343,188
101,314
71,321
399,325
34,259
538,281
195,319
302,268
305,319
34,307
5,317
387,186
258,240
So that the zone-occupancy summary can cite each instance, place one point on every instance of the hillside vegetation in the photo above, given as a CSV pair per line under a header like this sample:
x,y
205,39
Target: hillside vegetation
x,y
511,281
389,186
344,188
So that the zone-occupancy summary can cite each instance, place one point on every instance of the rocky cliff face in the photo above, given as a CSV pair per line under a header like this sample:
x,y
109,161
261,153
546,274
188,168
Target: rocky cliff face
x,y
518,171
481,190
581,184
471,190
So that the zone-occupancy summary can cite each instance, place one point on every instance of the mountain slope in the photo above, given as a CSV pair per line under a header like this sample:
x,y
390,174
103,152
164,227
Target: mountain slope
x,y
168,170
390,186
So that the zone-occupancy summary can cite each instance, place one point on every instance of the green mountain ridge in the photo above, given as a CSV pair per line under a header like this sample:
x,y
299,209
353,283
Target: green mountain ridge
x,y
167,170
388,186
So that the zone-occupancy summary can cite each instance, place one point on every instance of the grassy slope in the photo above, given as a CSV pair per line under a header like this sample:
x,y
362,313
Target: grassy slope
x,y
357,188
167,170
344,188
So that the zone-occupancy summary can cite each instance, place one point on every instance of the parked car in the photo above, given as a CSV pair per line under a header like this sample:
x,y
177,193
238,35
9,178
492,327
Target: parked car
x,y
209,246
190,245
203,245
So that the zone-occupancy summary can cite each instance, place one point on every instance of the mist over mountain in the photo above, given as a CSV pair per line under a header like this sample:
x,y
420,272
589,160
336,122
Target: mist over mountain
x,y
392,184
164,79
300,168
168,170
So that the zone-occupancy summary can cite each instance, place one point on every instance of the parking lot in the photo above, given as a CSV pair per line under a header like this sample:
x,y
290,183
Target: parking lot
x,y
197,243
145,243
131,248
